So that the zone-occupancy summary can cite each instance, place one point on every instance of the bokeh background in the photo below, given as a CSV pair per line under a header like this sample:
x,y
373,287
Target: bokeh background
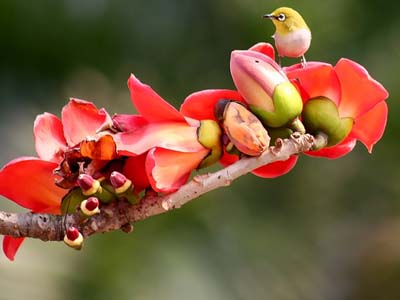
x,y
328,230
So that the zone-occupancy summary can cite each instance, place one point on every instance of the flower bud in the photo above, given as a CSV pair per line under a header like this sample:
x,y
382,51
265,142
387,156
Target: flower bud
x,y
73,238
71,201
265,87
88,185
90,206
209,135
320,115
120,183
243,128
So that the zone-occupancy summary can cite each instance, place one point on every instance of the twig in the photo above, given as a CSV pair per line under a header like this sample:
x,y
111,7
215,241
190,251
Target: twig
x,y
118,215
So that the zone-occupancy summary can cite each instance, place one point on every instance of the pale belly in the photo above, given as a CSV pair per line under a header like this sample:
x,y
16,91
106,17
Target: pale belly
x,y
294,44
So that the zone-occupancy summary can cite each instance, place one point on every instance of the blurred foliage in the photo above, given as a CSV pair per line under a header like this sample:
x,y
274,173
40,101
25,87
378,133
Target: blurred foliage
x,y
327,230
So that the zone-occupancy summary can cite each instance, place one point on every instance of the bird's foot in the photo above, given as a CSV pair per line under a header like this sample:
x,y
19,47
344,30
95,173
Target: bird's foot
x,y
303,61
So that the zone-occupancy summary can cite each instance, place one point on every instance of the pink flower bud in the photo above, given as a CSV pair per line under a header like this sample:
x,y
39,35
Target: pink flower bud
x,y
73,238
265,87
256,76
88,185
120,183
90,206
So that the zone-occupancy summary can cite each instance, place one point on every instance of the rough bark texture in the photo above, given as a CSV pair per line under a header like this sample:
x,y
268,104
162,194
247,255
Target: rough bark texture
x,y
119,215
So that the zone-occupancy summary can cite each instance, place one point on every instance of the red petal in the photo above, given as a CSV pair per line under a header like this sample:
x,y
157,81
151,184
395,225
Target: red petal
x,y
277,168
369,127
168,170
82,119
316,79
134,169
49,137
173,136
11,246
336,151
271,170
125,122
200,105
150,105
29,182
360,92
264,48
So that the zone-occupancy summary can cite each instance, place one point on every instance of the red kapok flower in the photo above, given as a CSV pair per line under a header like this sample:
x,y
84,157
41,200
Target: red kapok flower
x,y
201,104
30,181
353,103
164,142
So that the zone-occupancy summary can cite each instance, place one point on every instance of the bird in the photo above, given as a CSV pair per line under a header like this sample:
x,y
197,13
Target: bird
x,y
292,35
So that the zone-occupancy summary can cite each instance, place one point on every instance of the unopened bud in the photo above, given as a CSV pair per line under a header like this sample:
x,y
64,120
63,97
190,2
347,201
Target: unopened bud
x,y
265,87
73,238
120,183
88,184
243,128
320,115
90,206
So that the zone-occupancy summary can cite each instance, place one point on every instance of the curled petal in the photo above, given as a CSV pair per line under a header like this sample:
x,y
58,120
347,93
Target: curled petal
x,y
173,136
150,105
125,122
82,119
360,92
271,170
11,246
29,182
264,48
134,169
49,137
336,151
369,127
314,80
101,147
277,168
168,170
200,105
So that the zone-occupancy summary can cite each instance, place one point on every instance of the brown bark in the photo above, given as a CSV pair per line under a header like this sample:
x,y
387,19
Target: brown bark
x,y
118,215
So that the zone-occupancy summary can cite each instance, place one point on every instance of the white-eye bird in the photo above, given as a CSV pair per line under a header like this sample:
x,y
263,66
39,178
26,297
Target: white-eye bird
x,y
292,36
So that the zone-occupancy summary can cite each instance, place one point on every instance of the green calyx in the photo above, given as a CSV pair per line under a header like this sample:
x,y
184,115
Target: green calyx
x,y
287,104
279,133
320,115
72,200
209,135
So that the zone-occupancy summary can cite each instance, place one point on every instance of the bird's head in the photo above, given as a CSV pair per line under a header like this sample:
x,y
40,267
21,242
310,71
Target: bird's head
x,y
286,20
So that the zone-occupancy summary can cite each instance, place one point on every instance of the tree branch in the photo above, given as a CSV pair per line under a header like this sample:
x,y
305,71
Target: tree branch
x,y
119,215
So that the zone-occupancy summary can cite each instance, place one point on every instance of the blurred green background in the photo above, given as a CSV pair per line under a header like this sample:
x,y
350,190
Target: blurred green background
x,y
328,230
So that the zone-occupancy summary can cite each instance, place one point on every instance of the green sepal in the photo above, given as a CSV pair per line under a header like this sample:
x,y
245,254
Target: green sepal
x,y
287,104
213,156
72,200
106,194
209,135
130,197
281,132
321,115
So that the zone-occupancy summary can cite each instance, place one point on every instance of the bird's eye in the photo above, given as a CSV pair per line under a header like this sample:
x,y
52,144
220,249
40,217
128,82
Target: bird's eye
x,y
281,17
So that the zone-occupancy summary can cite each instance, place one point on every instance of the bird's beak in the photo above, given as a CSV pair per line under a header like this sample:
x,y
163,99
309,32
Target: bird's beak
x,y
269,16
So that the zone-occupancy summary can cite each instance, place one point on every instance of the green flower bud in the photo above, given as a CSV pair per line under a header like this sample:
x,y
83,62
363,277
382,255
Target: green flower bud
x,y
209,135
320,115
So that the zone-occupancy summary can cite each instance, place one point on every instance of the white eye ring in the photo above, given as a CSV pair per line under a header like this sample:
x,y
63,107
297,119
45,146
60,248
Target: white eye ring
x,y
281,17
